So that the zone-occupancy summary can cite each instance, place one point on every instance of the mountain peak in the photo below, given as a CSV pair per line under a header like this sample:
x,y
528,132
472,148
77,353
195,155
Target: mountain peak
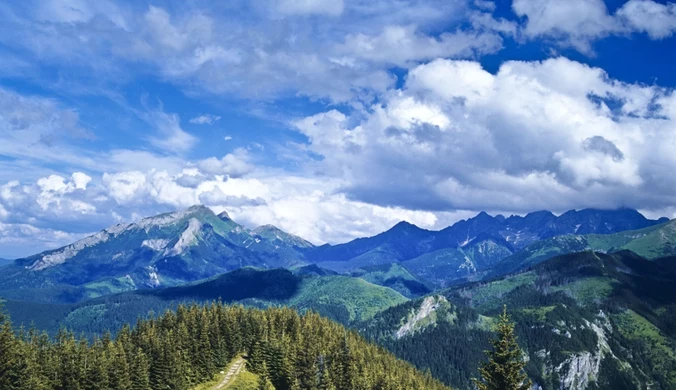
x,y
404,225
224,216
173,217
272,232
268,227
540,214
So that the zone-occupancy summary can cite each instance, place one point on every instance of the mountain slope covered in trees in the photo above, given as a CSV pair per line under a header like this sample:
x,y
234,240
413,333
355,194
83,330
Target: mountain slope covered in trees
x,y
184,348
586,320
341,298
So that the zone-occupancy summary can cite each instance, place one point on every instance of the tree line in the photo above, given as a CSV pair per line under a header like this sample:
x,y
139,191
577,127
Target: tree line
x,y
183,348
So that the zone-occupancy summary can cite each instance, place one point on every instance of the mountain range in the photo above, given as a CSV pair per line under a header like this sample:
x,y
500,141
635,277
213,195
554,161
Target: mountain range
x,y
193,244
592,292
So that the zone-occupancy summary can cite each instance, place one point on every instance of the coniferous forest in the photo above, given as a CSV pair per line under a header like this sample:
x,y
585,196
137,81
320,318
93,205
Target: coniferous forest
x,y
181,349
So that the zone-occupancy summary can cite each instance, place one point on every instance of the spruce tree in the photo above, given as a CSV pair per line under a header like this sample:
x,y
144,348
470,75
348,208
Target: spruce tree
x,y
504,369
140,379
263,378
13,370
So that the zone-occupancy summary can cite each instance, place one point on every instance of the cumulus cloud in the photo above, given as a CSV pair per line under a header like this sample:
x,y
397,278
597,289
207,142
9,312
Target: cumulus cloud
x,y
535,135
655,19
308,206
232,164
400,45
20,239
578,23
441,143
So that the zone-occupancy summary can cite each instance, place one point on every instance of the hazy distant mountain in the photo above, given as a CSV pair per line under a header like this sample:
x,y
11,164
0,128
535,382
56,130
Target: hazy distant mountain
x,y
164,250
472,244
4,262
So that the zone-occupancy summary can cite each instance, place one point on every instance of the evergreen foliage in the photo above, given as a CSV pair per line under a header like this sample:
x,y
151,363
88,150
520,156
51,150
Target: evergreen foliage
x,y
504,369
181,349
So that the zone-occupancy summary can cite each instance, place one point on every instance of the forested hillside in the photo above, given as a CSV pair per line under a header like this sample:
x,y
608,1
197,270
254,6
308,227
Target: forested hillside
x,y
586,321
181,349
341,298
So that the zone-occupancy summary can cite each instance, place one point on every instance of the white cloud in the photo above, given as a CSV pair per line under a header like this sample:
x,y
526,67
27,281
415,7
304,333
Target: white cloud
x,y
20,239
172,137
227,138
579,22
249,52
309,7
536,135
657,20
232,164
79,11
399,45
205,119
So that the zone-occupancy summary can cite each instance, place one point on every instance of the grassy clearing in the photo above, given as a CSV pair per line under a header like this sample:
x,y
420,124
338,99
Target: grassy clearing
x,y
587,291
539,313
244,381
357,299
486,297
655,348
658,243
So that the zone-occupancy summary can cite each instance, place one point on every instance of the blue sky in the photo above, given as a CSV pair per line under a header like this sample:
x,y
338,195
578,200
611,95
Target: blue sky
x,y
331,119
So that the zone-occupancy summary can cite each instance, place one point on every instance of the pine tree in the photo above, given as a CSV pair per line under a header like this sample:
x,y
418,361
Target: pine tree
x,y
118,368
323,377
13,370
263,379
504,369
140,379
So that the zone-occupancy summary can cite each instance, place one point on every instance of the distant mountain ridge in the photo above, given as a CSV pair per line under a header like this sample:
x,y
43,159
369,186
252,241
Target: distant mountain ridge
x,y
468,246
174,248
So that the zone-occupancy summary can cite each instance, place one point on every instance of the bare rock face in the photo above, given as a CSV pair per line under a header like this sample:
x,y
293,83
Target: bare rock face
x,y
422,317
576,372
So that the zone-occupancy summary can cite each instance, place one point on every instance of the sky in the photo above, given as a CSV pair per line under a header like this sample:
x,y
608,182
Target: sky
x,y
331,119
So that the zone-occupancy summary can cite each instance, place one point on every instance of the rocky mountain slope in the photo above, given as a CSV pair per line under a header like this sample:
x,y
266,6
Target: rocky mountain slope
x,y
586,321
164,250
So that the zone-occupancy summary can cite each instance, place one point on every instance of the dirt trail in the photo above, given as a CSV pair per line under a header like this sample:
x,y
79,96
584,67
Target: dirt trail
x,y
235,369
